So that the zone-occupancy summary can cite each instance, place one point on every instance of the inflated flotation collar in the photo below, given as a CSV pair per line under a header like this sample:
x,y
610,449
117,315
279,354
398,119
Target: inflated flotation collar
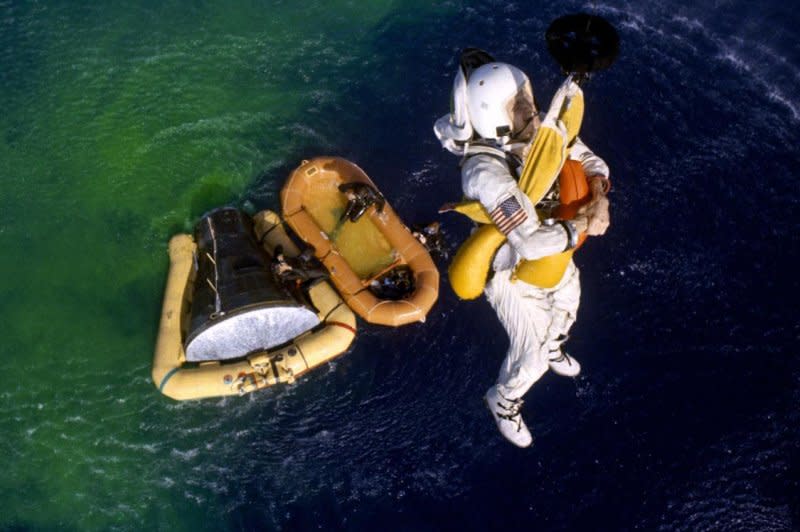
x,y
543,164
179,379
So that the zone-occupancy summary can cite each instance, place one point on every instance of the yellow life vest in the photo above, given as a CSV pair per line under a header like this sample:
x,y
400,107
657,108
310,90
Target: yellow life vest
x,y
545,159
547,271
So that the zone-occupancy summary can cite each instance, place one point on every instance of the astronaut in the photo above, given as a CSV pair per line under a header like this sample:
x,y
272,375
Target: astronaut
x,y
492,122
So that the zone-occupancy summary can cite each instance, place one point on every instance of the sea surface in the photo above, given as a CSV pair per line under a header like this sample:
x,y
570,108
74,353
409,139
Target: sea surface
x,y
123,122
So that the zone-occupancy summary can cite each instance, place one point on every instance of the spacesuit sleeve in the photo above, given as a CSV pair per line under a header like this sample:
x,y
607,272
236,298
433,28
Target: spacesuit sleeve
x,y
488,180
592,164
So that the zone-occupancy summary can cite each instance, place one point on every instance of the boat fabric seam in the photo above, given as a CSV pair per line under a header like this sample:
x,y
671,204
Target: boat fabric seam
x,y
331,311
343,325
305,360
268,231
167,377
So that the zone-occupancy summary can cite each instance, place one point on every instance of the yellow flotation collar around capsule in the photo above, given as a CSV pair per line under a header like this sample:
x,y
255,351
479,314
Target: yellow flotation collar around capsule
x,y
470,267
176,378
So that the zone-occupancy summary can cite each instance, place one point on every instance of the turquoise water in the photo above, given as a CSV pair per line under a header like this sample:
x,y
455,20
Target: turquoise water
x,y
121,125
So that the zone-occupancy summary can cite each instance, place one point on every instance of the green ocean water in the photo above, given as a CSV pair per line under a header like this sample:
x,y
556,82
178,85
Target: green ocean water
x,y
121,124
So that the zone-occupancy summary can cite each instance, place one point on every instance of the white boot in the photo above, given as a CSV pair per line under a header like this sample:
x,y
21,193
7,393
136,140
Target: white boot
x,y
563,364
506,413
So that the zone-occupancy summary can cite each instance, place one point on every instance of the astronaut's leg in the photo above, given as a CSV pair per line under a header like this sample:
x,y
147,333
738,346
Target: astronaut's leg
x,y
524,312
564,300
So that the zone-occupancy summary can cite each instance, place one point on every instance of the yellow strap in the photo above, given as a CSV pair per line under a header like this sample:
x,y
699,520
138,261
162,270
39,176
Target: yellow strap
x,y
549,151
545,166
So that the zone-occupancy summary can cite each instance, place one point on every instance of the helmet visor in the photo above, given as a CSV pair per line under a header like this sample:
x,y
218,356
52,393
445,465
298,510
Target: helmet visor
x,y
522,111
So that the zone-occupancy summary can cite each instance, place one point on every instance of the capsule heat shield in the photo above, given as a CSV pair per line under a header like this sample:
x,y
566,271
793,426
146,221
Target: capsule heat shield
x,y
237,307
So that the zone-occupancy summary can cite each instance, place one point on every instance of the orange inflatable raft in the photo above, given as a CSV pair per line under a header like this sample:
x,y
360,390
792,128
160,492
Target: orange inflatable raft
x,y
358,253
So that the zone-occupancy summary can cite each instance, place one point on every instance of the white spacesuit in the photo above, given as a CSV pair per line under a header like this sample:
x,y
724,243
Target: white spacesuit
x,y
492,122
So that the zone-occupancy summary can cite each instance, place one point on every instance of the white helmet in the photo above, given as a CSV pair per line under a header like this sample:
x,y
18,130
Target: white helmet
x,y
499,100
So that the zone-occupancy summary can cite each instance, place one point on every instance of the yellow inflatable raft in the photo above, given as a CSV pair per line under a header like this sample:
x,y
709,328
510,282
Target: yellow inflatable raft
x,y
357,253
179,379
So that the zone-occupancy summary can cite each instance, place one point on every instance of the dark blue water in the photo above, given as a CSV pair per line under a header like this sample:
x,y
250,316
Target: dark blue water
x,y
685,415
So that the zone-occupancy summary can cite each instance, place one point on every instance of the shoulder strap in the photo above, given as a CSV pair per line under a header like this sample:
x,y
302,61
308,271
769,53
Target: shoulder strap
x,y
513,162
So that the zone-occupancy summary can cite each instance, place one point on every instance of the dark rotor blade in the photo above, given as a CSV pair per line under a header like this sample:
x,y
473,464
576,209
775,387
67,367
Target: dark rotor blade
x,y
582,43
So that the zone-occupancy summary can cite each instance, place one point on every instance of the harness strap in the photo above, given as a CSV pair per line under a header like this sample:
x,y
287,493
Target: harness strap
x,y
513,162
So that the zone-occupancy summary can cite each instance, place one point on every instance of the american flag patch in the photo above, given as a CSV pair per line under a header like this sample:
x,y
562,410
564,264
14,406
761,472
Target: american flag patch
x,y
508,215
